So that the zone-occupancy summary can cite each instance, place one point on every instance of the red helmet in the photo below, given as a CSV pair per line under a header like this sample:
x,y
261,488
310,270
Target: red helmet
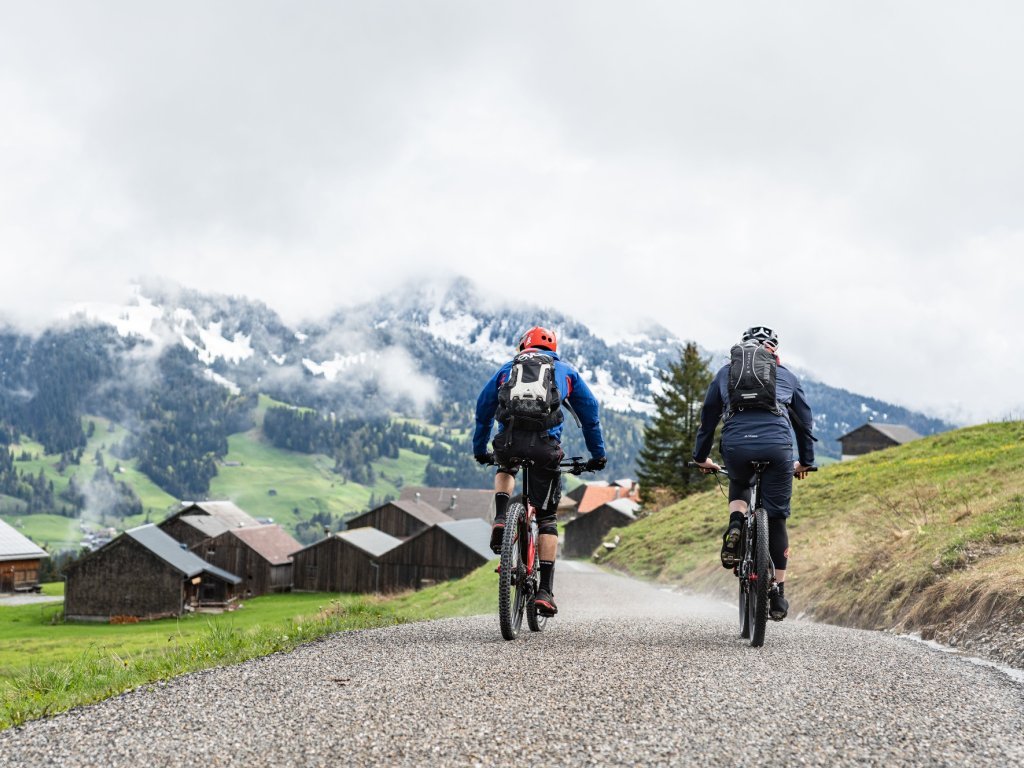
x,y
538,338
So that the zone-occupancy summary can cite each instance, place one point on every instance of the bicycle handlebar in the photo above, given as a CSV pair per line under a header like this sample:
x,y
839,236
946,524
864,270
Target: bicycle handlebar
x,y
576,465
695,465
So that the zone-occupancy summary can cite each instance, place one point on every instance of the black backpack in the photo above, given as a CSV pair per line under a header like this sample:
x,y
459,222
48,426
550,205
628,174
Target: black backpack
x,y
752,373
529,398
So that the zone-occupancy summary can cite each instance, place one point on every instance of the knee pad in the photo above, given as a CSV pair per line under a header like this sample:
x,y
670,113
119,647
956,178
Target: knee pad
x,y
547,525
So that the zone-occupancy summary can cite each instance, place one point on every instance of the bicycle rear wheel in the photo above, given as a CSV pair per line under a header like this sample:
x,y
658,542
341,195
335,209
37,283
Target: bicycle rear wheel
x,y
512,574
742,572
758,594
534,620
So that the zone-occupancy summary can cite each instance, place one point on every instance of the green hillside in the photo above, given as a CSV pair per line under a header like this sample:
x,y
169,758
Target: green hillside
x,y
927,536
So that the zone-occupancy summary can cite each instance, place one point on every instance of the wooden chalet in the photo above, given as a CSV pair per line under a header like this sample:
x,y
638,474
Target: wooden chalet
x,y
448,550
590,496
343,562
197,521
584,534
260,556
875,437
145,574
19,561
457,503
400,518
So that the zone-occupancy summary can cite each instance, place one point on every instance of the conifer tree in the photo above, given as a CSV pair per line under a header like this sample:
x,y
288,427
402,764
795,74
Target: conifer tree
x,y
669,438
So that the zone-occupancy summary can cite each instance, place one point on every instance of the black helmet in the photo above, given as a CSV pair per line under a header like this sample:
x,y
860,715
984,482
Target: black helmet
x,y
761,334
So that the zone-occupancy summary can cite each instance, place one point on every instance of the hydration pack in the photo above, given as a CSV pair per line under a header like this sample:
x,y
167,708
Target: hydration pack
x,y
529,398
752,373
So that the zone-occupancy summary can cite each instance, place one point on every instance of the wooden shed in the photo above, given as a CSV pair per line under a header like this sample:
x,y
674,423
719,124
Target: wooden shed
x,y
196,521
260,556
584,534
875,437
400,518
19,561
457,503
343,562
145,574
444,551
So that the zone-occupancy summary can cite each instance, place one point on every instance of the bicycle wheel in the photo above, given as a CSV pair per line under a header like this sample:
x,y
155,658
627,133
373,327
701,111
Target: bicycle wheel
x,y
744,586
512,575
758,596
534,620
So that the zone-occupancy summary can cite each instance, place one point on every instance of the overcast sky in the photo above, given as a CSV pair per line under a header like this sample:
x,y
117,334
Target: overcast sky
x,y
849,173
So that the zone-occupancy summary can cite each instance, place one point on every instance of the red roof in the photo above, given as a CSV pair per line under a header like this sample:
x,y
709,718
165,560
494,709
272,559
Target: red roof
x,y
271,542
596,495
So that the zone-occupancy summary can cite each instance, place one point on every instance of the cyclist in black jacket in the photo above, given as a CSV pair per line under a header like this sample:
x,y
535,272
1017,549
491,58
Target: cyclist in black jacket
x,y
756,434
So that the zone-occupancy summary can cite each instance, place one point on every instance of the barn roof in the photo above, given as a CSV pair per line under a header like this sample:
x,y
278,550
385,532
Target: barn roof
x,y
208,525
474,534
898,432
271,542
16,546
624,507
596,495
457,503
171,552
425,513
227,512
370,540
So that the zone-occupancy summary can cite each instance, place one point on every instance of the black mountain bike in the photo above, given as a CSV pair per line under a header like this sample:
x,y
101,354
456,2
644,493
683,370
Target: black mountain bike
x,y
755,570
519,571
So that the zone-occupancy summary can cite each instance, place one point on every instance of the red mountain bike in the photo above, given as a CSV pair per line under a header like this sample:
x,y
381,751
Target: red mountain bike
x,y
519,572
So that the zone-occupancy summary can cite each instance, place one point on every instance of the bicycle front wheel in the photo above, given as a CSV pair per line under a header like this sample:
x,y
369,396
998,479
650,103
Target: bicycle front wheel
x,y
757,597
512,574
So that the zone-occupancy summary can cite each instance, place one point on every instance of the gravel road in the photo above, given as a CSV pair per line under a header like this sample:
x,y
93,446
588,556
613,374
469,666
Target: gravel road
x,y
627,674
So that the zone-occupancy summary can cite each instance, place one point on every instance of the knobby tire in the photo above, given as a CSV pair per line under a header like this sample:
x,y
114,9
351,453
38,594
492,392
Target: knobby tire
x,y
760,587
511,591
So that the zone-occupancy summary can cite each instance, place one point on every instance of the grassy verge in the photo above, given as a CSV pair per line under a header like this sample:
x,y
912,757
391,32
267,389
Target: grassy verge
x,y
47,666
927,537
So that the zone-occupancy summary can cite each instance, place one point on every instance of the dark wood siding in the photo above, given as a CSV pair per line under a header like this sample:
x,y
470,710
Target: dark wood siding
x,y
428,558
333,565
258,575
123,579
865,440
584,534
390,519
19,575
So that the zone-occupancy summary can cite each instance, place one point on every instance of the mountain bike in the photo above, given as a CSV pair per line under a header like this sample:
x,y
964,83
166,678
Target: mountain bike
x,y
755,570
519,571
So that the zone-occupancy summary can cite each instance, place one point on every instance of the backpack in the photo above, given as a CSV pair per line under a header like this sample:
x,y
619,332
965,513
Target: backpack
x,y
529,398
752,373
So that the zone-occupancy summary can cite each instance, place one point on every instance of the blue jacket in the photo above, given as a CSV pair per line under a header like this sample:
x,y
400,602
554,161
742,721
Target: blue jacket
x,y
570,385
756,426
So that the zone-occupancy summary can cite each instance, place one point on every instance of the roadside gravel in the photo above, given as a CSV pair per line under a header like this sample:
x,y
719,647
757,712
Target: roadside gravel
x,y
626,675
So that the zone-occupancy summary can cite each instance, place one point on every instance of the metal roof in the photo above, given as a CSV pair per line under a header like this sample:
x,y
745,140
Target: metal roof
x,y
226,511
898,432
473,533
171,552
370,540
208,525
425,513
271,542
16,546
626,506
457,503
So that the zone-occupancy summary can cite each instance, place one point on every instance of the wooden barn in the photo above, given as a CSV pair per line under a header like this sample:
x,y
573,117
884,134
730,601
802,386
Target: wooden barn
x,y
19,561
343,562
260,556
196,521
145,574
584,534
875,437
444,551
400,518
457,503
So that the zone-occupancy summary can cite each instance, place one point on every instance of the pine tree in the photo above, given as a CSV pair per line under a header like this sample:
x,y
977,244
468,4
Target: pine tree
x,y
669,438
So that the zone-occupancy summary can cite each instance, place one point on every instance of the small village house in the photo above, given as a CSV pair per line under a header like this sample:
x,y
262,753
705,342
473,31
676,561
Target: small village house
x,y
260,556
584,534
875,437
197,521
448,550
145,574
19,561
343,562
401,519
590,496
457,503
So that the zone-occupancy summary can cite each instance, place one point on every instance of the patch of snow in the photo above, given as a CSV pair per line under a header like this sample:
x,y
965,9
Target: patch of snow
x,y
279,359
458,329
329,369
133,320
216,378
301,337
237,349
614,397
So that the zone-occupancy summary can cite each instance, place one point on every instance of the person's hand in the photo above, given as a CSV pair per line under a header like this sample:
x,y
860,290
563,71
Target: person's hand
x,y
596,465
799,470
484,458
708,466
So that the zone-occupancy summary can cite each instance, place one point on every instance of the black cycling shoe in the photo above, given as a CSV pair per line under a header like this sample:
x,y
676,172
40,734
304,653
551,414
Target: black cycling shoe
x,y
545,603
778,606
497,534
731,547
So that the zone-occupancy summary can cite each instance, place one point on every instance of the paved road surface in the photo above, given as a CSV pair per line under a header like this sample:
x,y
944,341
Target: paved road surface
x,y
626,675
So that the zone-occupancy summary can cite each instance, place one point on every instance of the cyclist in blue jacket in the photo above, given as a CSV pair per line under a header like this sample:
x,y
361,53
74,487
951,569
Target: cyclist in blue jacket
x,y
543,448
755,434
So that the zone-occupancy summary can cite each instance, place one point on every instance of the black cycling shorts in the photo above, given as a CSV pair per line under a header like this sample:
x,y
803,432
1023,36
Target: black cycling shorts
x,y
545,489
776,482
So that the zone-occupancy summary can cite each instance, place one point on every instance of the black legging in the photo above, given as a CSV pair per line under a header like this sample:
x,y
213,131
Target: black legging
x,y
778,542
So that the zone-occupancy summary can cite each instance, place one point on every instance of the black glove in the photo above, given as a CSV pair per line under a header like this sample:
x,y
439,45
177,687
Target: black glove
x,y
484,458
596,465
